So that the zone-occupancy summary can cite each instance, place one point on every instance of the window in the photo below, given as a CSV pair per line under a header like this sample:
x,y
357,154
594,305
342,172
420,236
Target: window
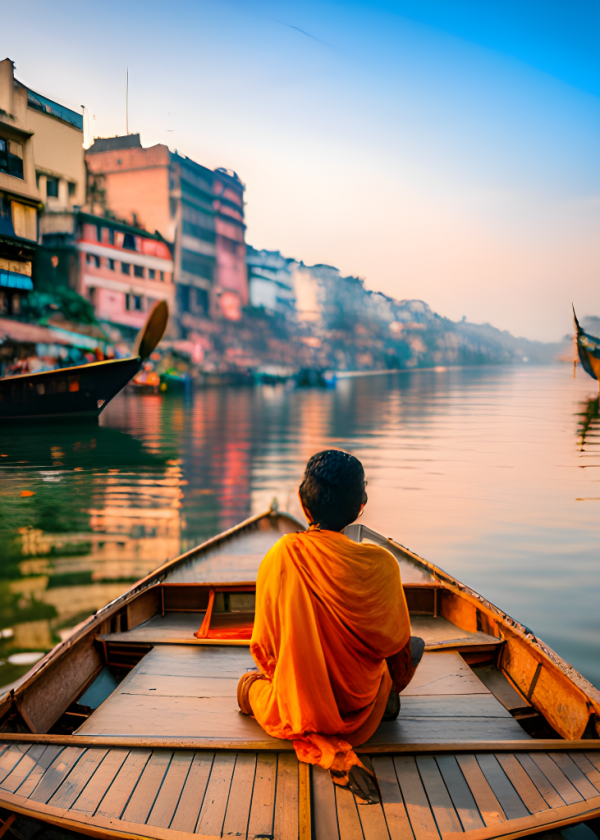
x,y
11,158
201,301
52,187
72,188
138,270
197,264
3,302
111,236
111,264
92,259
129,242
162,276
16,304
24,219
125,268
151,274
137,303
99,233
128,302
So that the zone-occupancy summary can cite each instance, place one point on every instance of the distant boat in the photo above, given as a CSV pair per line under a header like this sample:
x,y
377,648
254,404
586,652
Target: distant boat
x,y
588,349
81,392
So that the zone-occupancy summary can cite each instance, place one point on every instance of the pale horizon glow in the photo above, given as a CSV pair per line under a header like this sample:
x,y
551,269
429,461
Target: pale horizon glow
x,y
424,154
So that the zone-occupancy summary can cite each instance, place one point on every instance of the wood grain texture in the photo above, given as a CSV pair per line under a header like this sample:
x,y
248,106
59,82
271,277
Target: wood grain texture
x,y
347,815
10,758
509,799
415,799
373,822
540,781
20,772
115,801
214,806
435,730
526,789
88,800
456,706
263,798
460,792
194,791
441,674
325,819
286,822
577,778
171,789
237,815
74,783
437,793
43,701
489,807
441,631
62,765
143,797
398,824
587,767
557,778
41,765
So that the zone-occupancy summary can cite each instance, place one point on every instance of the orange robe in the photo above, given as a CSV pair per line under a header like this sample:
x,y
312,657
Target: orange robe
x,y
329,611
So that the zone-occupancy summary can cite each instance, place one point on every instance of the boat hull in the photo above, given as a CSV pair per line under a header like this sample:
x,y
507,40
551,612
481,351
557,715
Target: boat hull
x,y
164,754
74,394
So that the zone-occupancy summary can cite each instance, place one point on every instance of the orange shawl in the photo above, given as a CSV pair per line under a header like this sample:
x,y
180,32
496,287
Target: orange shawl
x,y
329,611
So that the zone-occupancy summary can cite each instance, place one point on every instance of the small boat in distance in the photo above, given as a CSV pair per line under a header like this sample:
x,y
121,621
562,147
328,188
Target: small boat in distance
x,y
130,728
82,392
588,350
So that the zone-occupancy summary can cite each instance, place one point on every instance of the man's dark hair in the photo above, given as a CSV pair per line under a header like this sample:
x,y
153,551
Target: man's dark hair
x,y
333,489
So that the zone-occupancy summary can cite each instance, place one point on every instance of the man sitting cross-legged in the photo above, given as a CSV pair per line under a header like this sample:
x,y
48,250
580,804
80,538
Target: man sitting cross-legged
x,y
331,636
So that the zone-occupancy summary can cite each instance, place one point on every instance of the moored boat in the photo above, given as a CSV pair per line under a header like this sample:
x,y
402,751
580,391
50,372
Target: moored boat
x,y
588,350
81,392
130,728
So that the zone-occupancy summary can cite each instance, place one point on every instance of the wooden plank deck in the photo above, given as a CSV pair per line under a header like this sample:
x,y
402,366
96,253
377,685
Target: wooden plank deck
x,y
171,794
185,691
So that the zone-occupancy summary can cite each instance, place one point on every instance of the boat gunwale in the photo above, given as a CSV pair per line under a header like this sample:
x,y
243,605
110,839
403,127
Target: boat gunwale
x,y
451,583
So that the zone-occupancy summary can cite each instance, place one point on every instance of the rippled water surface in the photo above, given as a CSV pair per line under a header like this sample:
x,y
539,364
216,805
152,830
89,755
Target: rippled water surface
x,y
483,471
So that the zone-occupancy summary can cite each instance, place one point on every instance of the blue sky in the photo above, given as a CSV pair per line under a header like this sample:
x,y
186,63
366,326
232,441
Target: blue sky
x,y
441,150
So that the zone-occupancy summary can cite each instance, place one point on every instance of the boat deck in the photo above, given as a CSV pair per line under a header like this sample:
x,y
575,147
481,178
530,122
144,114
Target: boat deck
x,y
181,691
175,794
165,754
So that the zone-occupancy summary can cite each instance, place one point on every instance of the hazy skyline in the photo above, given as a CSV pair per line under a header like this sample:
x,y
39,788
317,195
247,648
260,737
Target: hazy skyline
x,y
441,151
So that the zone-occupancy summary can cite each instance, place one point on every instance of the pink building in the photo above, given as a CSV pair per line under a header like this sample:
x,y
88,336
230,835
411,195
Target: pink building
x,y
123,270
198,211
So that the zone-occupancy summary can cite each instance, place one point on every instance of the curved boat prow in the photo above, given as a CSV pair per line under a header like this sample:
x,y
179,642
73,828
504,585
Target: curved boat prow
x,y
82,392
588,349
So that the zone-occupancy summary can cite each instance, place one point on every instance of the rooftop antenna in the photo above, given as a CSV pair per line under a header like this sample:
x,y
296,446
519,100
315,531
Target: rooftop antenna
x,y
127,104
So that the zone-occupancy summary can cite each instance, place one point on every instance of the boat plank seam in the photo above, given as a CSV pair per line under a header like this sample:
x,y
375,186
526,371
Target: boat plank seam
x,y
193,794
93,792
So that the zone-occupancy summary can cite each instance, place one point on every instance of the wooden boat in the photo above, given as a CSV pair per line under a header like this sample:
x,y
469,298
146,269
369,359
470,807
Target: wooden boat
x,y
588,350
77,393
131,729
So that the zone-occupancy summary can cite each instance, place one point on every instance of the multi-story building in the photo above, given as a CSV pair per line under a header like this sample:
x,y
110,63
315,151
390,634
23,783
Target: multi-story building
x,y
42,179
122,271
271,281
198,211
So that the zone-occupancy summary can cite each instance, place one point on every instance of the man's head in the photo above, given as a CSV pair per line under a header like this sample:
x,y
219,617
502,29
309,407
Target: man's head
x,y
333,489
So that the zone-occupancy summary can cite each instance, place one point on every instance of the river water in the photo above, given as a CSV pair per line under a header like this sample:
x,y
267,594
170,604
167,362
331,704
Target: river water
x,y
482,471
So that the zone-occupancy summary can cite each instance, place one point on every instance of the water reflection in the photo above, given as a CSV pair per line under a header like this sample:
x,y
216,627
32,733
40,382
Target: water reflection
x,y
491,473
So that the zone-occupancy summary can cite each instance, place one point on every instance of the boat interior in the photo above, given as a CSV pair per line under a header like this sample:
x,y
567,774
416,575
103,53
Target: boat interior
x,y
143,734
